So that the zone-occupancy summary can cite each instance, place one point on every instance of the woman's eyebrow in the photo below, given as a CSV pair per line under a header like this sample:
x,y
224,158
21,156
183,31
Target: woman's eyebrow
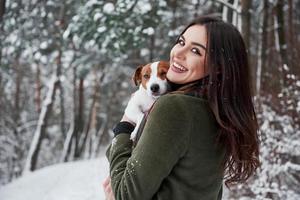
x,y
195,43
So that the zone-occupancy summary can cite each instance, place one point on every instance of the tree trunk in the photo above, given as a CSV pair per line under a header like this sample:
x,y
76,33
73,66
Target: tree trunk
x,y
100,135
197,5
70,134
230,13
263,49
35,146
246,21
87,130
293,58
61,96
2,9
152,47
61,28
79,122
16,115
92,123
225,12
246,6
18,86
38,89
2,12
235,13
281,40
173,5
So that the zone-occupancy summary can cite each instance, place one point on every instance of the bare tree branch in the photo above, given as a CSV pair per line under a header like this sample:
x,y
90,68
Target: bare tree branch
x,y
229,6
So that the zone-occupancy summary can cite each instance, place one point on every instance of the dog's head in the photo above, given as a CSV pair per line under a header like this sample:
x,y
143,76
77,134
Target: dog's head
x,y
152,77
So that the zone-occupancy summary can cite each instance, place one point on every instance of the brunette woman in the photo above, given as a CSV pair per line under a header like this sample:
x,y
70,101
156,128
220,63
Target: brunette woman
x,y
202,133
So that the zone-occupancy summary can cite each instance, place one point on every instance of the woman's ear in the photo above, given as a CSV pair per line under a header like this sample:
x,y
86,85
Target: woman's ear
x,y
137,77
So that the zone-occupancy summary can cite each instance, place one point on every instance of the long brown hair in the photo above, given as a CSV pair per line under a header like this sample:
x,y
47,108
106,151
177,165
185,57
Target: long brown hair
x,y
230,98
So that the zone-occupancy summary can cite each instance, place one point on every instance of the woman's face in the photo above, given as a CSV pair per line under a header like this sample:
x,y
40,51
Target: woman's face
x,y
187,57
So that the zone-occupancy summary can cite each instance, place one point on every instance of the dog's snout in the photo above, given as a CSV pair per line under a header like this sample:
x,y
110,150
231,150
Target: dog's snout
x,y
154,88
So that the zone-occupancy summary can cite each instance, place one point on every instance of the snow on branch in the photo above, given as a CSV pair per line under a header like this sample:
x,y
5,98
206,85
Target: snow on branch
x,y
293,166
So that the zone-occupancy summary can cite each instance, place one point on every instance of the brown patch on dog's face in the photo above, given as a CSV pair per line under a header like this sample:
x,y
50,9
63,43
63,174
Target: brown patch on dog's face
x,y
163,67
137,78
142,75
146,74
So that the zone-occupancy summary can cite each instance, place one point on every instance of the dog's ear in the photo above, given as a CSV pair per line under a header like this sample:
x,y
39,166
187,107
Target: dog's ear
x,y
137,77
165,64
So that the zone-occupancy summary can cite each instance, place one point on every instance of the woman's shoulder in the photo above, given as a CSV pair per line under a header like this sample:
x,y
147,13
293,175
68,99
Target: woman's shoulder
x,y
180,99
179,104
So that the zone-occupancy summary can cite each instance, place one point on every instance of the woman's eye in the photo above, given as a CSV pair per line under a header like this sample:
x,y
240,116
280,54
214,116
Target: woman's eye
x,y
196,51
146,76
181,42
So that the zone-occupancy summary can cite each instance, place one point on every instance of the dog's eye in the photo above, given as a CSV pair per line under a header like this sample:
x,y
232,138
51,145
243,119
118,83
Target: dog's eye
x,y
146,76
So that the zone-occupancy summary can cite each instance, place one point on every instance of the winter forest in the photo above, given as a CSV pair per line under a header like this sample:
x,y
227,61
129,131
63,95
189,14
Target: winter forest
x,y
66,67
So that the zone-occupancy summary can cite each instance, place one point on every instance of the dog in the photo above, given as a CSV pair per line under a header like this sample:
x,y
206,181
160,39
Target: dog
x,y
152,83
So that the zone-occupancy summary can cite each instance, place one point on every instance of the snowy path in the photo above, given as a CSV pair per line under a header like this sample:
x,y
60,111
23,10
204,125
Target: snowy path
x,y
81,180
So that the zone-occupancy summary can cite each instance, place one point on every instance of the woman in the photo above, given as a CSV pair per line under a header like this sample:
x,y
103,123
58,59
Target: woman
x,y
199,134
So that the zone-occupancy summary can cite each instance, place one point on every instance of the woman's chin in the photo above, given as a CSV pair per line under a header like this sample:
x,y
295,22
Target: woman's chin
x,y
174,77
175,80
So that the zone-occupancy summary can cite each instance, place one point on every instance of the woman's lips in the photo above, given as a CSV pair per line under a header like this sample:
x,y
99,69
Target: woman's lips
x,y
178,68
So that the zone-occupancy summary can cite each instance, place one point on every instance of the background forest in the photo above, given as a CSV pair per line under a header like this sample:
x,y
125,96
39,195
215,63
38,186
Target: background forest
x,y
65,70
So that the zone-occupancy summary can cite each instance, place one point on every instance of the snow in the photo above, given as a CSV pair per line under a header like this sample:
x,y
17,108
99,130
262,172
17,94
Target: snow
x,y
108,8
97,16
14,5
149,31
91,3
75,18
144,7
66,33
80,180
44,45
13,38
101,29
144,52
173,33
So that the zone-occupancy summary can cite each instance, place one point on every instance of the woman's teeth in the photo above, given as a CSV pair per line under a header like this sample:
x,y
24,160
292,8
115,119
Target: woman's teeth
x,y
179,67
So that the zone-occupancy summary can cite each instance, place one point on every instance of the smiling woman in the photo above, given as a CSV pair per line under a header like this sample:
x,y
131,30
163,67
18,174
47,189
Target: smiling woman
x,y
201,133
187,57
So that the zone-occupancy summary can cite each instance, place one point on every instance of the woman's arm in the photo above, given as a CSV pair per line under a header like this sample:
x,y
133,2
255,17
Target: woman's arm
x,y
138,173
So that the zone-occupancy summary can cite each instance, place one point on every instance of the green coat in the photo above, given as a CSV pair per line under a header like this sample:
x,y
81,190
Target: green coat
x,y
176,157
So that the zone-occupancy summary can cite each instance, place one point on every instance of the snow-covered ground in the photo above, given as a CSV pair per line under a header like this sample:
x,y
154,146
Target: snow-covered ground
x,y
81,180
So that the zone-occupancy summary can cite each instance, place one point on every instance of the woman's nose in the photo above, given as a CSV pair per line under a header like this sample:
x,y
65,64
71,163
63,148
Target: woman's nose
x,y
180,53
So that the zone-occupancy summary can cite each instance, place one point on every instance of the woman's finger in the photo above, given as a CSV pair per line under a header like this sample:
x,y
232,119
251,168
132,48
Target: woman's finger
x,y
107,189
106,181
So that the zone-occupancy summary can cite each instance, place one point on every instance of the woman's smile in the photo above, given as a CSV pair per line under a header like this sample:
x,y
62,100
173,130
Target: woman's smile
x,y
178,68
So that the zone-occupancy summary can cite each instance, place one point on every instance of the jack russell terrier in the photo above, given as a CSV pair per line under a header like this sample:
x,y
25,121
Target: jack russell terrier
x,y
152,83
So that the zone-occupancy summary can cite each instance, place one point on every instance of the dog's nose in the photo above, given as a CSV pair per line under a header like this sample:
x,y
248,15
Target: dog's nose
x,y
154,88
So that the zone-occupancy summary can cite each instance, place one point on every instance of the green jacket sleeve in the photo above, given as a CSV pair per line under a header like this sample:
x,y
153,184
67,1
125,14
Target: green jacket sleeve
x,y
138,173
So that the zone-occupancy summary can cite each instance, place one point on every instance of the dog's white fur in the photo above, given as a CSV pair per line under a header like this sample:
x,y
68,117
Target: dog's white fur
x,y
142,100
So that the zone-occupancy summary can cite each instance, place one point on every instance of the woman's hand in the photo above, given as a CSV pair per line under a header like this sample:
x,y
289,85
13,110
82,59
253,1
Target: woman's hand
x,y
107,189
